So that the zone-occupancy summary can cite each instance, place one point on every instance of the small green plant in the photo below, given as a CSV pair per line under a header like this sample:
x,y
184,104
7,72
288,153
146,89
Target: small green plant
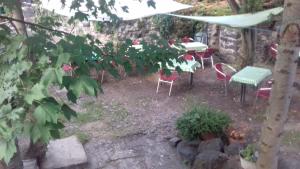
x,y
202,120
249,153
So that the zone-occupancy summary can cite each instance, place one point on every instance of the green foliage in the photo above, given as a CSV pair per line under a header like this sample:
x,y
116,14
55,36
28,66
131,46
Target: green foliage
x,y
201,120
165,24
252,6
29,66
249,153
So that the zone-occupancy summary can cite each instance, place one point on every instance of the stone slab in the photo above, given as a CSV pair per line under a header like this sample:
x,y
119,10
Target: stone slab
x,y
64,154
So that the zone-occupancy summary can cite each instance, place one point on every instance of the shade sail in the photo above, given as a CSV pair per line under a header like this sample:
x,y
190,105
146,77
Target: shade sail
x,y
237,21
135,8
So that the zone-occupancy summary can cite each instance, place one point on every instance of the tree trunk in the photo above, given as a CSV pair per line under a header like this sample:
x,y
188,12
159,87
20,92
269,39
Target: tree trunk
x,y
248,48
282,90
18,14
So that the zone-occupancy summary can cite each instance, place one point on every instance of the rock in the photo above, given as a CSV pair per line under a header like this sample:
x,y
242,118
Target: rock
x,y
30,164
232,149
174,141
66,153
213,144
187,150
210,159
288,163
233,163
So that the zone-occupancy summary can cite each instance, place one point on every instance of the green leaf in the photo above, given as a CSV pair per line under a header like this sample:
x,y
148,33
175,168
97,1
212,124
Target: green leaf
x,y
48,111
52,75
7,150
68,112
84,84
37,92
63,58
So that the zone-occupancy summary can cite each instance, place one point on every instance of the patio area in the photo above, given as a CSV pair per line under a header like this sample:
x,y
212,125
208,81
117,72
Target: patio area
x,y
133,117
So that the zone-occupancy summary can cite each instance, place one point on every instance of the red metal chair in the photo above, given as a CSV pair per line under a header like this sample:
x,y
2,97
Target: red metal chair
x,y
187,57
222,75
68,69
206,55
136,42
187,39
167,79
264,92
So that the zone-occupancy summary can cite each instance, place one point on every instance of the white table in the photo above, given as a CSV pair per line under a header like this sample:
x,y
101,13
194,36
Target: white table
x,y
194,46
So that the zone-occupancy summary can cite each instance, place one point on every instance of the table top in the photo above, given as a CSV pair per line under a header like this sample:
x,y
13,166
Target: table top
x,y
251,75
197,46
186,66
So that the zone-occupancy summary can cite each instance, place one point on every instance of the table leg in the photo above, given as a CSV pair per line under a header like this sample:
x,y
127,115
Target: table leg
x,y
243,93
191,79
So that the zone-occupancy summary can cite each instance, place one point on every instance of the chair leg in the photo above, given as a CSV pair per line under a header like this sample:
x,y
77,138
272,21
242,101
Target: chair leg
x,y
171,88
102,76
158,83
202,62
212,61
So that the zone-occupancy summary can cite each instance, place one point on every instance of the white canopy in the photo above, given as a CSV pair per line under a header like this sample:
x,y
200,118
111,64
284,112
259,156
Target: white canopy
x,y
237,21
136,8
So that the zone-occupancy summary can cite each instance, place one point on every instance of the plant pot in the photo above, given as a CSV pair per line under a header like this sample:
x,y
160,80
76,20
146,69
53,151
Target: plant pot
x,y
208,136
247,164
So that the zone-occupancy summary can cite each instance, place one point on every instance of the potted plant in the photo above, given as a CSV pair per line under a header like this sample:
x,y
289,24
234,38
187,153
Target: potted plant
x,y
202,122
248,157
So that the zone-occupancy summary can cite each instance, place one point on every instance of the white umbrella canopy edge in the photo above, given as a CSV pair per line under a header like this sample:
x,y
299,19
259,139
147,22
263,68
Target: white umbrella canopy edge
x,y
136,8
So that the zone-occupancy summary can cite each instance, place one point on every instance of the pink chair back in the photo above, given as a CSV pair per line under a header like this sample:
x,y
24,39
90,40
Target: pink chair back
x,y
169,78
136,42
185,39
208,52
188,57
67,68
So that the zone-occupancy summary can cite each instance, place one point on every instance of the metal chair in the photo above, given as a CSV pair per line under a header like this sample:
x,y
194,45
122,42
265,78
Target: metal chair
x,y
206,55
167,79
222,75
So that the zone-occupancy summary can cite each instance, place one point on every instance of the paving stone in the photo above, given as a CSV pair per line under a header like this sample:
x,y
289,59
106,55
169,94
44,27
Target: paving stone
x,y
67,153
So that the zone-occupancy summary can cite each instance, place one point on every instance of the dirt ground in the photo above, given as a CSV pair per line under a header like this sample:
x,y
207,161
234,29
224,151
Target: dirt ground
x,y
130,109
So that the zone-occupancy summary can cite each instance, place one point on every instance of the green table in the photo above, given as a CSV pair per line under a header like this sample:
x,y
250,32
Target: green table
x,y
186,66
194,46
250,76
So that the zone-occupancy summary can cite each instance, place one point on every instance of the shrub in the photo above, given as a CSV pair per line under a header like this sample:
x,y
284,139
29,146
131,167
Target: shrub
x,y
202,120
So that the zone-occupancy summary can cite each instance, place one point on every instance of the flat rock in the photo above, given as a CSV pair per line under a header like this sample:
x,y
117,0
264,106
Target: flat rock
x,y
232,149
30,164
213,144
210,159
174,141
187,150
65,153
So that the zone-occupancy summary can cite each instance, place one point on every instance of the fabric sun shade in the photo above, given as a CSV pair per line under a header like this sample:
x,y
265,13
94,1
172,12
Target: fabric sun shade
x,y
237,21
135,8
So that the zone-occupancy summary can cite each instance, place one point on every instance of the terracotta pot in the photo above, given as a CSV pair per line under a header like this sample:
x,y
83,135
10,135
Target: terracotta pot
x,y
208,136
247,164
232,140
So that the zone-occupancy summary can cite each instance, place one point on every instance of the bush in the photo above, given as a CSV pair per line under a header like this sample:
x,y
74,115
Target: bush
x,y
202,120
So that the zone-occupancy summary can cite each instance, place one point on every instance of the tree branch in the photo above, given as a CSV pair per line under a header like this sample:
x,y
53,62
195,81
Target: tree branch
x,y
33,24
234,6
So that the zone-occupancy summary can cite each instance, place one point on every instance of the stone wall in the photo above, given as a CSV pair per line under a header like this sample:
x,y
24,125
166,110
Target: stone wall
x,y
230,42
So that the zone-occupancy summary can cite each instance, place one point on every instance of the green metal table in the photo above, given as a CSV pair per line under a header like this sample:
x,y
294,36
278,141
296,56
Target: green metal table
x,y
250,75
194,46
186,66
